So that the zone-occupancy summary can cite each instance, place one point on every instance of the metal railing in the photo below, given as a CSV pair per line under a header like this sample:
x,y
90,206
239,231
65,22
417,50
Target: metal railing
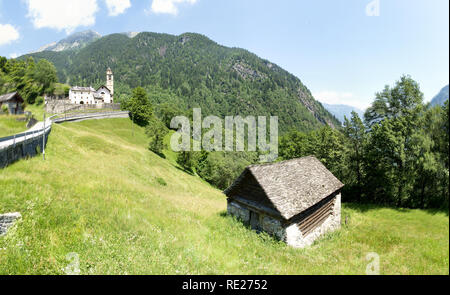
x,y
32,133
13,140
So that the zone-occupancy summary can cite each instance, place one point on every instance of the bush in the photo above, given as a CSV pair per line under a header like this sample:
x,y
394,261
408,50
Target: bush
x,y
39,100
167,112
157,131
161,181
141,110
221,169
5,109
187,161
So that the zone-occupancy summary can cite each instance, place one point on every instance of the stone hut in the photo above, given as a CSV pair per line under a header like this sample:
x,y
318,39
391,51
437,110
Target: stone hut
x,y
296,201
14,103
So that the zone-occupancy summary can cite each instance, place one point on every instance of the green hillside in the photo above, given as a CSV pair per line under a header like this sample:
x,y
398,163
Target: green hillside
x,y
191,70
10,125
124,210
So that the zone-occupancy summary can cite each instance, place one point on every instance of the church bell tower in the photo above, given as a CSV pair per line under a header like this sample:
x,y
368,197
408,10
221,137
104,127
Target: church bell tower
x,y
110,81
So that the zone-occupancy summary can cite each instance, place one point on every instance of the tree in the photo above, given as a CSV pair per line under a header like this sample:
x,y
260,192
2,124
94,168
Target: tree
x,y
157,131
3,61
430,144
45,74
221,169
355,133
186,160
139,106
29,79
327,145
166,112
404,99
295,144
392,119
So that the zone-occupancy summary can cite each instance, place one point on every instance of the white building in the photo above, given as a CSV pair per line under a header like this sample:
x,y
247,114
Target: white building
x,y
105,94
88,95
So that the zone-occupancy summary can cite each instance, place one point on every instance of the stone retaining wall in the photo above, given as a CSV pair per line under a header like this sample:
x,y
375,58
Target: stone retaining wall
x,y
65,106
25,148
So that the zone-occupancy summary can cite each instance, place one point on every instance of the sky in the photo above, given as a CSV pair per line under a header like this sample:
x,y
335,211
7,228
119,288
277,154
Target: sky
x,y
344,51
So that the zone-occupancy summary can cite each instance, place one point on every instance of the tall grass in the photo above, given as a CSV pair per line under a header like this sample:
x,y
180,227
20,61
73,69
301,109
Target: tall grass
x,y
10,125
124,210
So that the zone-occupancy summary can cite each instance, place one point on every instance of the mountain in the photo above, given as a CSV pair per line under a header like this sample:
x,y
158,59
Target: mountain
x,y
189,71
74,41
130,34
441,98
340,111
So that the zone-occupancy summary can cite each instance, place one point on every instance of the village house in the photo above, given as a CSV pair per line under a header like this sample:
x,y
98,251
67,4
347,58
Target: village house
x,y
14,103
88,95
297,201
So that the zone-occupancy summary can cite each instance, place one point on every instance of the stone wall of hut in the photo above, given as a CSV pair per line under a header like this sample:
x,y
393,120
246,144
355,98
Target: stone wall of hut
x,y
257,221
289,233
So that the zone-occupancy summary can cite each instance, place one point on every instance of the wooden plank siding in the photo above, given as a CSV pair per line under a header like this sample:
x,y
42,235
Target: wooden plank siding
x,y
316,217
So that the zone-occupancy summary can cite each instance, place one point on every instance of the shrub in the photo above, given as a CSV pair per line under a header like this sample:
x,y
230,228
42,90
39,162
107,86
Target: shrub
x,y
161,181
187,161
141,110
39,100
157,131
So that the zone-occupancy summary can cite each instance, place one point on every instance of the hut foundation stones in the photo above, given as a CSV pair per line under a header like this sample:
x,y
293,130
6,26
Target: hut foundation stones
x,y
296,201
289,233
257,221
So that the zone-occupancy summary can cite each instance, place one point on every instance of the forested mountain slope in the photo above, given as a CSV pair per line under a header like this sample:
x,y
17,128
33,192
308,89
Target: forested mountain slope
x,y
191,70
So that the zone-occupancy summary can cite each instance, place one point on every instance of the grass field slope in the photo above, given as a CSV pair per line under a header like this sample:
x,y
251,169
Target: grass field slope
x,y
124,210
10,125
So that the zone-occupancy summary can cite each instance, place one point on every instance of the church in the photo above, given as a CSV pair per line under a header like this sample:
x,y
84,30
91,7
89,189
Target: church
x,y
88,95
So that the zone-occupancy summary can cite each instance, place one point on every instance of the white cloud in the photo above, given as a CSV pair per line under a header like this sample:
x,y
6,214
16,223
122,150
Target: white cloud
x,y
116,7
168,6
62,15
13,55
346,98
8,34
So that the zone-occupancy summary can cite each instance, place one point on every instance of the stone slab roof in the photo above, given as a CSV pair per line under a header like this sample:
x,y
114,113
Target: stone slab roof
x,y
291,186
9,96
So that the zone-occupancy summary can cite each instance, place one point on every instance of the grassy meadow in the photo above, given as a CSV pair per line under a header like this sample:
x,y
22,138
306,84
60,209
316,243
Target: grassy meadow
x,y
10,126
124,210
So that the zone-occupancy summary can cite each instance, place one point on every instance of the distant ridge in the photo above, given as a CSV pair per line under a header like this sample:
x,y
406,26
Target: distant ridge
x,y
72,42
441,98
341,111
